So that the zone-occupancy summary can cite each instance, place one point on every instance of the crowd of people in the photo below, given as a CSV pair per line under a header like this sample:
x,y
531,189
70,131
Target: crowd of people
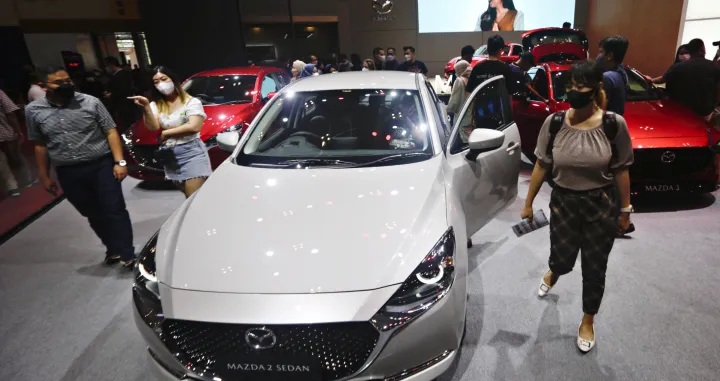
x,y
381,59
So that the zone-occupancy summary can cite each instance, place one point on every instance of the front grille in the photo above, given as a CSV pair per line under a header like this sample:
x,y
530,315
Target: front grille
x,y
649,163
340,348
144,155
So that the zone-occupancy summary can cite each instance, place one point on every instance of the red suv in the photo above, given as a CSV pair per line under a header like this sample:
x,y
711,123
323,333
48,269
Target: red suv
x,y
231,99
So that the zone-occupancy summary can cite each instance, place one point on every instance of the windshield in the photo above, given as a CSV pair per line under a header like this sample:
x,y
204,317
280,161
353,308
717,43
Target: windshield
x,y
339,128
482,51
555,37
222,89
638,88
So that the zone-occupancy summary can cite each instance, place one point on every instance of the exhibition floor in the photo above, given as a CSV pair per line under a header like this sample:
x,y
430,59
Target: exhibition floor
x,y
66,317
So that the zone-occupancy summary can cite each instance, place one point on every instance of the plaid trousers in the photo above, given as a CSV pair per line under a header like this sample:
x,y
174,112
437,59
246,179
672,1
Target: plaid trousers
x,y
586,222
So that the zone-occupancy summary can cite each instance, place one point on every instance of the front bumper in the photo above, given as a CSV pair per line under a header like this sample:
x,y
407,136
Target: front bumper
x,y
422,350
674,170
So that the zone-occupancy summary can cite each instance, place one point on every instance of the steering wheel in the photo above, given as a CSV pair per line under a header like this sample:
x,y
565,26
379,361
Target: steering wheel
x,y
309,136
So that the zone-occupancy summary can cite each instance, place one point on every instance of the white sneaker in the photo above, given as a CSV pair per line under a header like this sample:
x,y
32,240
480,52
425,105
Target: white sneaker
x,y
585,346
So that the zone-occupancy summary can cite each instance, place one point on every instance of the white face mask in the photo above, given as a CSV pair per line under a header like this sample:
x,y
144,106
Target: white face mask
x,y
365,69
314,74
407,57
166,88
382,57
684,57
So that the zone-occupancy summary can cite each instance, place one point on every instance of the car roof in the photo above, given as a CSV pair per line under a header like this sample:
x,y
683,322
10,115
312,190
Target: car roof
x,y
358,80
243,70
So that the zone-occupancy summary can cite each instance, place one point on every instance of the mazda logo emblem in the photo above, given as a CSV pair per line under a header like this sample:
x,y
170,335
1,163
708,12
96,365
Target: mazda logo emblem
x,y
668,157
260,338
383,7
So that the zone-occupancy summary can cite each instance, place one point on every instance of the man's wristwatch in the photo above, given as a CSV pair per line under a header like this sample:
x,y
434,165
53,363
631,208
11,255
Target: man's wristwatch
x,y
121,163
629,209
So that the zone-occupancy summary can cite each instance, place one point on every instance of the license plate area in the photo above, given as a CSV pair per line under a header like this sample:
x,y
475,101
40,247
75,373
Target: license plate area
x,y
267,367
662,188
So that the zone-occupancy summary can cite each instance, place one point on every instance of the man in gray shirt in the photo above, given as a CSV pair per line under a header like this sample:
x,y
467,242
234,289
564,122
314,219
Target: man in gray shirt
x,y
78,136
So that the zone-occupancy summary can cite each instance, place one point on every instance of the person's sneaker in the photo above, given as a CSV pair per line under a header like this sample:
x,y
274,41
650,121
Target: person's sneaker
x,y
14,192
129,264
111,259
31,183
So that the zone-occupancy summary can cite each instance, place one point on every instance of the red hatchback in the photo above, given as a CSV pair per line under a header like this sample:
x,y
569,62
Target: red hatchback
x,y
231,99
510,54
674,147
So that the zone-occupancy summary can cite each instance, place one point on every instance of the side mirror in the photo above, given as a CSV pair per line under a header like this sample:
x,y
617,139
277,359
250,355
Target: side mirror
x,y
484,140
270,96
228,141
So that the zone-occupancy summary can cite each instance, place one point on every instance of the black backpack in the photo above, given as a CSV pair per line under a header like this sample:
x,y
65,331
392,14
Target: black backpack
x,y
610,128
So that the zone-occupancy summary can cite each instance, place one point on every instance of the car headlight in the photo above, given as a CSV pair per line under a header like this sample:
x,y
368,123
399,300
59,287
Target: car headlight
x,y
427,284
212,142
146,290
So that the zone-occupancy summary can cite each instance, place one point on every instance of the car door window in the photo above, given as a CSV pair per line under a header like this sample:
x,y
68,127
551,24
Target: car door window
x,y
279,81
541,84
517,50
268,86
441,123
489,108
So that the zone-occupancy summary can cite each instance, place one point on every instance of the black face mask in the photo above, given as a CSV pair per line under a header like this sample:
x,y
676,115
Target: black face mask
x,y
579,99
65,91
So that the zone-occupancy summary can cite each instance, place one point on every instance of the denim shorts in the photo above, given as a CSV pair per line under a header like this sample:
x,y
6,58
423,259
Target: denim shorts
x,y
193,162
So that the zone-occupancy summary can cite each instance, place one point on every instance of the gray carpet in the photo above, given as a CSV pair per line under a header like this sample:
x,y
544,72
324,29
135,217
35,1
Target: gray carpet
x,y
66,317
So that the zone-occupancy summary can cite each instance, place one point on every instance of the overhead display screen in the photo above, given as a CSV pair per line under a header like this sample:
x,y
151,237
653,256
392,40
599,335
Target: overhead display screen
x,y
442,16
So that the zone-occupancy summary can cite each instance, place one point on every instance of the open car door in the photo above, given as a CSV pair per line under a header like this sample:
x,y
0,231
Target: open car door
x,y
484,154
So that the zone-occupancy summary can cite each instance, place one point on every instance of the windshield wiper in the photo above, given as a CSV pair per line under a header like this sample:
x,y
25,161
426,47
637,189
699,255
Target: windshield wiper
x,y
304,163
392,158
237,101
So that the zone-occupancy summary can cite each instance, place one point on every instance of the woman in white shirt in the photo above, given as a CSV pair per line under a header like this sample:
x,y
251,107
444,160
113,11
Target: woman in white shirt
x,y
181,118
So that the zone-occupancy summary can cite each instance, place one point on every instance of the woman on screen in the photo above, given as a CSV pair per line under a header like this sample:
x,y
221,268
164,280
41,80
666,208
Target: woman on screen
x,y
501,16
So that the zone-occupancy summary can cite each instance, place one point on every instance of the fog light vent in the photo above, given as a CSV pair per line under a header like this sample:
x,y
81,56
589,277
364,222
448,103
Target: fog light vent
x,y
413,371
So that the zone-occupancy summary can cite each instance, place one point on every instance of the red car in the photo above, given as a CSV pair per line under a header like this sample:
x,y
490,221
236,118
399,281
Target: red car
x,y
510,54
674,147
231,99
546,44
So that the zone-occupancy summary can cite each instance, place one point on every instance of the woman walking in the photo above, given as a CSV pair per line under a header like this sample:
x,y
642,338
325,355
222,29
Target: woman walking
x,y
587,151
181,118
459,93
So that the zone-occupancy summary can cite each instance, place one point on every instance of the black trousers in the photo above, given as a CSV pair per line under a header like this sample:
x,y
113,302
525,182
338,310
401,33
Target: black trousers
x,y
583,222
93,190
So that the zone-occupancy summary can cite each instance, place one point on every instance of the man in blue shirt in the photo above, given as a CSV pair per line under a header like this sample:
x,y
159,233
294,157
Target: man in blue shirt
x,y
411,64
615,80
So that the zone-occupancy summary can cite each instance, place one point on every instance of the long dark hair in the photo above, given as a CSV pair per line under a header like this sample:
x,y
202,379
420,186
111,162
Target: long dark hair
x,y
158,97
681,49
488,18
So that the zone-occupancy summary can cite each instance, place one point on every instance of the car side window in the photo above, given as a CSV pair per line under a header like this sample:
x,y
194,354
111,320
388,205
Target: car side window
x,y
517,50
279,81
442,124
541,84
268,86
490,108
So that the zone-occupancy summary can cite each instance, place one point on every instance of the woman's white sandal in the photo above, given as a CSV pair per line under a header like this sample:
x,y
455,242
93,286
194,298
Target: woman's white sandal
x,y
585,346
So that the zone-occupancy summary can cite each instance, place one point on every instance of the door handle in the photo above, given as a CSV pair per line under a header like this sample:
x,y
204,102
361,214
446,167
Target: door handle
x,y
512,147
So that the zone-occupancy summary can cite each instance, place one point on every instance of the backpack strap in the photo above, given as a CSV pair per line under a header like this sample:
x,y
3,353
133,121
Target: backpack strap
x,y
610,127
555,125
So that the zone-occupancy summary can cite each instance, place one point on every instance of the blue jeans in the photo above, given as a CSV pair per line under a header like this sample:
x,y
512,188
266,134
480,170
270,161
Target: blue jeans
x,y
93,190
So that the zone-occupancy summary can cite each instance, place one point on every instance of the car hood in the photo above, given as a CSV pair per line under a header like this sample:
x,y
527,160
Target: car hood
x,y
290,231
663,119
218,119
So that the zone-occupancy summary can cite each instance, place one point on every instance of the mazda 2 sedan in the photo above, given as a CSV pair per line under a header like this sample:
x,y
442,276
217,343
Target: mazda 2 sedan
x,y
331,245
